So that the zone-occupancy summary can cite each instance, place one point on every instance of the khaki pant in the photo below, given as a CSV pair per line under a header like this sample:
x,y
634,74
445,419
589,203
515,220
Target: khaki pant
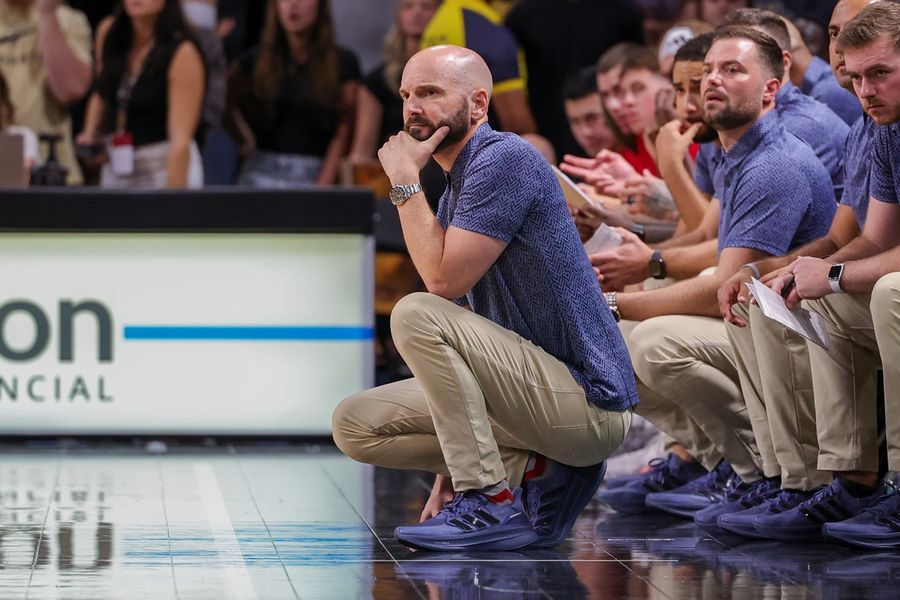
x,y
865,331
482,400
845,384
886,318
774,369
689,387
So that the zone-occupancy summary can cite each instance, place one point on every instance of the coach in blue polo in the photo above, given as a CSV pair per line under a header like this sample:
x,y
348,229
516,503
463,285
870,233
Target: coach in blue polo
x,y
521,375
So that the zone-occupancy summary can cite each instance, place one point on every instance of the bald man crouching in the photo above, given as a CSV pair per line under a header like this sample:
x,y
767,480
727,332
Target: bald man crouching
x,y
532,386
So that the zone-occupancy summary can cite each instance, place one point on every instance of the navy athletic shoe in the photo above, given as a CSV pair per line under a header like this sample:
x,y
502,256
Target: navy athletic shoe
x,y
472,522
666,475
695,495
553,502
877,527
735,489
775,502
830,504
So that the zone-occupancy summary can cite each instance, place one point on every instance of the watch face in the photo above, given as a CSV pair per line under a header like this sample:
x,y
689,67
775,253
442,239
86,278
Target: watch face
x,y
397,196
835,271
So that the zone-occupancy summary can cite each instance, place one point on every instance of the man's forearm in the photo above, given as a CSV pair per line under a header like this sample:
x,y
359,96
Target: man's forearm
x,y
860,276
424,240
691,202
819,248
688,261
859,249
695,296
655,233
68,77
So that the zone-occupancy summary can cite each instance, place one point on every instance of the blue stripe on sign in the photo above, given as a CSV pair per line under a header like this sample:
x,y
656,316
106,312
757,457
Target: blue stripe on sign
x,y
248,333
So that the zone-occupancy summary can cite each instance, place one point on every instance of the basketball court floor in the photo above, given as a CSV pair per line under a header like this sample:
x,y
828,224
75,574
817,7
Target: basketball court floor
x,y
271,521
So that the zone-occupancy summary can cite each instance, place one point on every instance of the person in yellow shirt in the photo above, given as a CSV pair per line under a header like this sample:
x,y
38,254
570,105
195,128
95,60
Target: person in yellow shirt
x,y
45,56
474,24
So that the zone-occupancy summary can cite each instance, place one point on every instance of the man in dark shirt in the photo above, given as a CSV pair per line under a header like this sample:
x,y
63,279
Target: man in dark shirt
x,y
775,195
856,291
532,385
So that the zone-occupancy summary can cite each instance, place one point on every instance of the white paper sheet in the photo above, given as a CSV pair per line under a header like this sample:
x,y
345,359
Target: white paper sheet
x,y
801,321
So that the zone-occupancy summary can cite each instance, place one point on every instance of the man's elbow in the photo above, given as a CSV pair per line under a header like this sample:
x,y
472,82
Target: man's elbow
x,y
444,289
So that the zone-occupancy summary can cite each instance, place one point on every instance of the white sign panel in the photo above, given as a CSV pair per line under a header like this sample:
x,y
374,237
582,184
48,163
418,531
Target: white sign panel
x,y
188,334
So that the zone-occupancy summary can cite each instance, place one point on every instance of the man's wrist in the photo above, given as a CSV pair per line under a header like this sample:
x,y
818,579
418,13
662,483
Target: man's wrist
x,y
612,302
753,269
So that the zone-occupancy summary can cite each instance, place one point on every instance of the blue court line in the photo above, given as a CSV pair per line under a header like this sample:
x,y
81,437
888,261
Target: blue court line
x,y
249,333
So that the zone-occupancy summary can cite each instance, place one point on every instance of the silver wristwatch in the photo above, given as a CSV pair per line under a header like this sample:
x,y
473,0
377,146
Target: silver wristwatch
x,y
401,193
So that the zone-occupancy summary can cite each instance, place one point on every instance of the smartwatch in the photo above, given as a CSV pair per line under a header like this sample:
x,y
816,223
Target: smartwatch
x,y
834,278
640,231
656,266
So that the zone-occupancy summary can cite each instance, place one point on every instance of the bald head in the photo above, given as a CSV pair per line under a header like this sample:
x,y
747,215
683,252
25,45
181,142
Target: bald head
x,y
458,67
445,85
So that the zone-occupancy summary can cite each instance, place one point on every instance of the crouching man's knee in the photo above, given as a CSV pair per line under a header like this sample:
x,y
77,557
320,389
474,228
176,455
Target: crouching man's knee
x,y
347,430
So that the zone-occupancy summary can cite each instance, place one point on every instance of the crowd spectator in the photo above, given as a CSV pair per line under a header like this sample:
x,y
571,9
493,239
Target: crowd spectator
x,y
379,110
292,98
30,152
559,39
589,124
675,38
474,24
45,56
148,99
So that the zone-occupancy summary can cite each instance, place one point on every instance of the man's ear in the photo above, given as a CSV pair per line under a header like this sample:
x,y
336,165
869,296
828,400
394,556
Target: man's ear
x,y
772,87
788,60
480,102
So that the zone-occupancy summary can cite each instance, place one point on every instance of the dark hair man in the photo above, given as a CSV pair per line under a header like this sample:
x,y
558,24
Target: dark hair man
x,y
585,115
530,384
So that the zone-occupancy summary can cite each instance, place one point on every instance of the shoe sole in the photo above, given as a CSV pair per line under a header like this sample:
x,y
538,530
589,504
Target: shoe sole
x,y
860,541
748,531
476,541
678,511
582,497
782,535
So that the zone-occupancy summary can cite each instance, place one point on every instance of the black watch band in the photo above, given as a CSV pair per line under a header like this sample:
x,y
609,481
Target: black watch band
x,y
657,266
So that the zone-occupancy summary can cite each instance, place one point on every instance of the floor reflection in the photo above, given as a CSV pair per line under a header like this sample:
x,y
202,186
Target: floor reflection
x,y
299,522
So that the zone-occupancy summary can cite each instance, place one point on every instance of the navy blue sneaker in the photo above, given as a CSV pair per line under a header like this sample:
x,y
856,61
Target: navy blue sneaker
x,y
730,501
772,503
666,475
830,504
472,522
553,502
877,527
695,495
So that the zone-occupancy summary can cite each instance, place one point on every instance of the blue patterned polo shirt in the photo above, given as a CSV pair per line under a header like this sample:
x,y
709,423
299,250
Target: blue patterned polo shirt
x,y
818,126
776,194
819,82
542,286
885,182
858,166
